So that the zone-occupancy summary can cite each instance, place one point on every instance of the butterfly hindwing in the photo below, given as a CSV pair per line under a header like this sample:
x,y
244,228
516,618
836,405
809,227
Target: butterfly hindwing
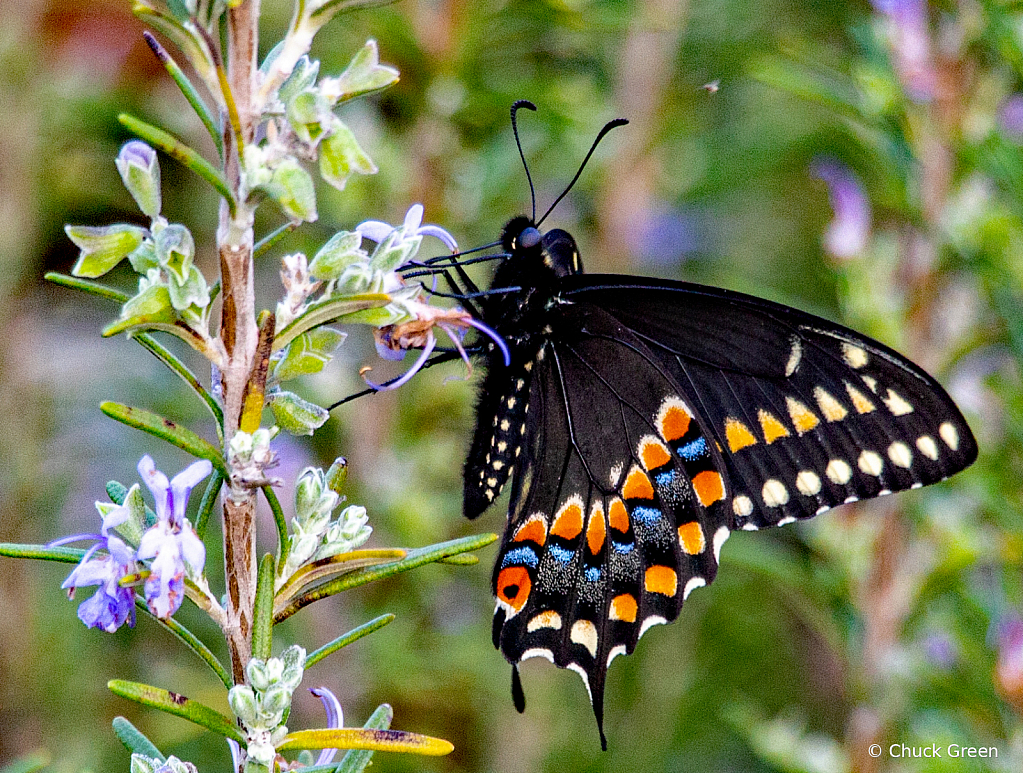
x,y
618,504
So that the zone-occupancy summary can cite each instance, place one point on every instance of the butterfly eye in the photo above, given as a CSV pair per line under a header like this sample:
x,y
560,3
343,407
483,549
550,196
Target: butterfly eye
x,y
529,238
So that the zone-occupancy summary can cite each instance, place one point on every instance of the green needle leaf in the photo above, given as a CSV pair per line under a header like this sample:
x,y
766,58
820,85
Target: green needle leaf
x,y
413,559
360,738
190,92
169,359
62,555
343,641
134,740
93,288
165,429
262,614
178,705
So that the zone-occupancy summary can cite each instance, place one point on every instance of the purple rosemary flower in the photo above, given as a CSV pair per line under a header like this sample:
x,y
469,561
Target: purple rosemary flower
x,y
393,340
848,233
377,230
112,604
911,46
171,544
1010,116
335,719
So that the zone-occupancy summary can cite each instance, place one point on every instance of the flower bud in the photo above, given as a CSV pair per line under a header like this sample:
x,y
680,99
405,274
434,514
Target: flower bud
x,y
242,700
140,170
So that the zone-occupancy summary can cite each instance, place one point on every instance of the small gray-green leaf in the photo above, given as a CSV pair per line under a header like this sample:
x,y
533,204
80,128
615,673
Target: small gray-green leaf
x,y
151,305
309,115
175,249
104,247
302,77
295,415
308,353
341,156
363,74
342,250
194,291
143,259
292,188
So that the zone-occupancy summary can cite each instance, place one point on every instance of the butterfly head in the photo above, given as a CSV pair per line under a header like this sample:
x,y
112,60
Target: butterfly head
x,y
554,251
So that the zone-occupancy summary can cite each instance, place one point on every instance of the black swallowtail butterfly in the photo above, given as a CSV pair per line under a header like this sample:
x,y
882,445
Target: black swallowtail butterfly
x,y
641,421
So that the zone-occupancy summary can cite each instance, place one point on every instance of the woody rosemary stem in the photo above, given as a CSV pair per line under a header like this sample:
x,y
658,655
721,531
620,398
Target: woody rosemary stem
x,y
238,332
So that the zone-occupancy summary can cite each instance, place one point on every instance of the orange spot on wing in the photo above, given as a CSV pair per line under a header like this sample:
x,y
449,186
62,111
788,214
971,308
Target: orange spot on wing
x,y
618,516
661,579
803,419
533,530
772,427
513,586
709,487
690,537
569,522
738,435
624,608
637,485
653,454
595,530
673,422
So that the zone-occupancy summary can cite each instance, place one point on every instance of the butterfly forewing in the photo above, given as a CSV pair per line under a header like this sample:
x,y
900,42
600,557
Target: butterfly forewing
x,y
808,414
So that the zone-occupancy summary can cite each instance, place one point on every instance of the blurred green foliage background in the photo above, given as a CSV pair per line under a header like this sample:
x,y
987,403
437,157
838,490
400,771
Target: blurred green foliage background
x,y
896,621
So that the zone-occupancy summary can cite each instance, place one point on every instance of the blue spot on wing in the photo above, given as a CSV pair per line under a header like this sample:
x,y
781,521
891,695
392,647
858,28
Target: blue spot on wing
x,y
694,450
646,515
560,553
666,479
593,574
523,555
622,547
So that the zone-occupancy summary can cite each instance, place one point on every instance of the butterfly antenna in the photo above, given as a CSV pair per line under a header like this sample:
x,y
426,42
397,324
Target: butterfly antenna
x,y
515,128
607,127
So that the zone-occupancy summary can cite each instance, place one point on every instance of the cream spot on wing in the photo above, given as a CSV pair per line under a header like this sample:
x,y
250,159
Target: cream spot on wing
x,y
795,355
830,407
585,633
870,463
860,401
928,447
546,619
838,471
897,404
538,652
808,483
854,356
742,505
616,474
950,435
774,493
803,419
900,454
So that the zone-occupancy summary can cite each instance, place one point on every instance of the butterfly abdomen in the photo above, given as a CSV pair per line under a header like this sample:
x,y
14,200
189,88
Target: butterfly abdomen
x,y
501,414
